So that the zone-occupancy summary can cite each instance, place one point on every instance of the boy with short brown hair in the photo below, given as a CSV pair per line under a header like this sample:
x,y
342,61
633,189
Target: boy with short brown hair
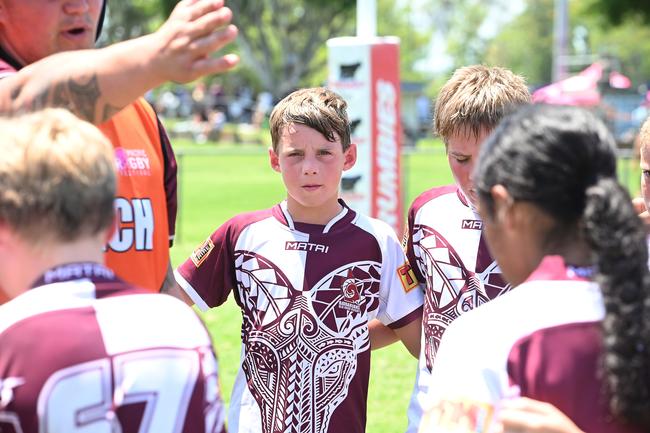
x,y
308,275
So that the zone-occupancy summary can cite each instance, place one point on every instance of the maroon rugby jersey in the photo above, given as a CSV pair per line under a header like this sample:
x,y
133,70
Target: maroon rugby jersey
x,y
543,339
450,258
85,352
306,293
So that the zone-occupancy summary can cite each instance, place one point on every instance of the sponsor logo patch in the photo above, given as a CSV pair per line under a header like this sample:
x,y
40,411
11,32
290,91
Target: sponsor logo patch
x,y
132,162
472,225
407,277
201,253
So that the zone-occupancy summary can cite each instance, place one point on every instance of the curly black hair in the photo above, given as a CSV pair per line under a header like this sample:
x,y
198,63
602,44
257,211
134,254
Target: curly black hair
x,y
563,160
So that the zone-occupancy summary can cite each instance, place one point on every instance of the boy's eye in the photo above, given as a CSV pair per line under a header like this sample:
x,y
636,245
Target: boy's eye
x,y
646,173
324,152
462,159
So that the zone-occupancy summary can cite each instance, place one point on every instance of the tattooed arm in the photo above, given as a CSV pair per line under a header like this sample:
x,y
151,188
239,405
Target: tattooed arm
x,y
96,83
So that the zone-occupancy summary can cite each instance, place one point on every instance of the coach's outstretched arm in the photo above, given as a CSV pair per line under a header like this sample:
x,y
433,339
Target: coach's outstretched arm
x,y
96,83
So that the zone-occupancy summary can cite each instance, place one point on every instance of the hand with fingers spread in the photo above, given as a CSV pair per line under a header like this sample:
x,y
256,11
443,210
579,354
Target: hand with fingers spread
x,y
188,41
522,415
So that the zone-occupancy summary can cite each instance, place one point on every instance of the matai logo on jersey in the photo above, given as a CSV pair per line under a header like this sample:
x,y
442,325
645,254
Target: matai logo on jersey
x,y
472,225
132,162
201,253
306,246
351,298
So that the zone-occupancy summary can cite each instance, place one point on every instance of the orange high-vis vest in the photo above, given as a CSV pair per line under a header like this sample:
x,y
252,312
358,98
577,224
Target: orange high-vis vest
x,y
139,250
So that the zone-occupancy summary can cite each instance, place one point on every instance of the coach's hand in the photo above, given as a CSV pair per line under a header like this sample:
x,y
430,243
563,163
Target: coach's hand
x,y
187,43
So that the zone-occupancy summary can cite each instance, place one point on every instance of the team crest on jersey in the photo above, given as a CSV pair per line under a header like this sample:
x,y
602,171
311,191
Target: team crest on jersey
x,y
351,299
407,277
201,253
132,162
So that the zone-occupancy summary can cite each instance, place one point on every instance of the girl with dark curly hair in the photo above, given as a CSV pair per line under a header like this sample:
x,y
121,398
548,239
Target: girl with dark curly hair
x,y
575,332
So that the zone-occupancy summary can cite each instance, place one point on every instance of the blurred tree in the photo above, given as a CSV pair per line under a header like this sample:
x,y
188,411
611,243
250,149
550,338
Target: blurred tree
x,y
283,41
130,19
616,11
525,44
403,20
622,41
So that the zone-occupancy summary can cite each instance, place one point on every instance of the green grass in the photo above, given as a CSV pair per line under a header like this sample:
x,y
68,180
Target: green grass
x,y
218,182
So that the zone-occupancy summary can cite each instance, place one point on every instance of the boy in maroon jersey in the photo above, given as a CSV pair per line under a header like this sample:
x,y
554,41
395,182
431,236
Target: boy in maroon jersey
x,y
81,350
308,275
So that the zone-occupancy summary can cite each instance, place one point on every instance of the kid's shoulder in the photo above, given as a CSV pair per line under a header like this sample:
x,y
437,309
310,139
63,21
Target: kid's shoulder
x,y
432,194
378,228
239,222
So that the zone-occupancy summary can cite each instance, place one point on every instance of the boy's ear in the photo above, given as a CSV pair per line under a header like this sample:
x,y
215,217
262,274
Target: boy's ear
x,y
274,160
350,156
503,204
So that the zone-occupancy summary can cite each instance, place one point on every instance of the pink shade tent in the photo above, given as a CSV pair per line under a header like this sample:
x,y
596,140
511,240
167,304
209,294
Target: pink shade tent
x,y
580,89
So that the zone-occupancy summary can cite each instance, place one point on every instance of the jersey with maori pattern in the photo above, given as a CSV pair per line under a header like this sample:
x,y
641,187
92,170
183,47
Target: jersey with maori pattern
x,y
450,258
306,293
85,352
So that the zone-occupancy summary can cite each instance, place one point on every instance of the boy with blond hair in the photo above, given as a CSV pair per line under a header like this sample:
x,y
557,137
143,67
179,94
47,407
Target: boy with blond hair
x,y
308,275
82,349
445,243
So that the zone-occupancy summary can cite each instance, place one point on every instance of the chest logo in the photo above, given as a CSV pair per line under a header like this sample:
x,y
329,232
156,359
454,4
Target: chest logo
x,y
132,162
351,298
305,246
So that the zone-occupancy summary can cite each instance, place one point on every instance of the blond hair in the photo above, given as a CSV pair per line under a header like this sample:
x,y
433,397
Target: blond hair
x,y
476,98
318,108
57,177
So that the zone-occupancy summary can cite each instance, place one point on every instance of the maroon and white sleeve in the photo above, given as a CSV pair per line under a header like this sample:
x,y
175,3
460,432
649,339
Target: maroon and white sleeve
x,y
208,275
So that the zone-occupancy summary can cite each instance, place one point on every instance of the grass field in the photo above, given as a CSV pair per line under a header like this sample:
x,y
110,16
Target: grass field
x,y
218,182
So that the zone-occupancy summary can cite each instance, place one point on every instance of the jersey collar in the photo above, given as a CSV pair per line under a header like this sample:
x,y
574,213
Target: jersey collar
x,y
95,272
339,219
553,268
